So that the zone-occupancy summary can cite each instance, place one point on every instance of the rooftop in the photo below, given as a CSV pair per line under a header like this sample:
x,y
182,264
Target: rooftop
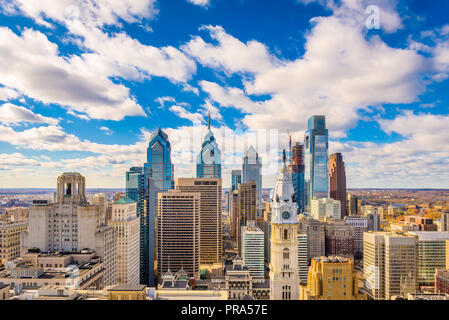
x,y
128,287
431,235
124,200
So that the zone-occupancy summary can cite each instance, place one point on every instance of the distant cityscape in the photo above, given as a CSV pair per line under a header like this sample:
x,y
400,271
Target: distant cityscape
x,y
165,237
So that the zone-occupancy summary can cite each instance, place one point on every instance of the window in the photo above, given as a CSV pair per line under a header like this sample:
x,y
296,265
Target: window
x,y
285,234
286,254
286,294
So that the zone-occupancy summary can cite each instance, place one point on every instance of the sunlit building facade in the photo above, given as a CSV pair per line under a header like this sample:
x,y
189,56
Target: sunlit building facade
x,y
316,175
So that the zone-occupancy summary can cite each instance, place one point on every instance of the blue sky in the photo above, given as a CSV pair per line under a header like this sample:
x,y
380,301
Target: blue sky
x,y
84,83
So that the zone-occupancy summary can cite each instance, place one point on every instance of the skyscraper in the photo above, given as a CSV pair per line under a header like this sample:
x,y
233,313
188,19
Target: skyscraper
x,y
337,181
210,215
142,185
209,158
140,188
247,197
353,205
339,238
296,169
159,161
253,250
432,254
127,230
303,255
178,226
252,171
284,275
315,236
325,208
71,224
316,174
236,179
390,264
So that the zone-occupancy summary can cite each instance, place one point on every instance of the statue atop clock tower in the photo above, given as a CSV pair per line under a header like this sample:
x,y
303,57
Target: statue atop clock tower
x,y
284,278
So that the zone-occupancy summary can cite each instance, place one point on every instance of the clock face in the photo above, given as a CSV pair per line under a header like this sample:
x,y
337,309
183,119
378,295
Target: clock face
x,y
285,215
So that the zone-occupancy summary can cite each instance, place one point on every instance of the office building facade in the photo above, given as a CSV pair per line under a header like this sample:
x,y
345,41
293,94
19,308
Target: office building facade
x,y
210,191
316,174
178,227
337,181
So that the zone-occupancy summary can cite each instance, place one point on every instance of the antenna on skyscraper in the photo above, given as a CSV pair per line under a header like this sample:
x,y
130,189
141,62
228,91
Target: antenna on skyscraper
x,y
208,121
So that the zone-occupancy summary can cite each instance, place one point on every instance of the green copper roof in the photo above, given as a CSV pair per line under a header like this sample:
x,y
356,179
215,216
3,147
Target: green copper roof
x,y
124,200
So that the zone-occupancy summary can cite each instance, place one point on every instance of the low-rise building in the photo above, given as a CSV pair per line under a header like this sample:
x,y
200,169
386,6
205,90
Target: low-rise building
x,y
331,278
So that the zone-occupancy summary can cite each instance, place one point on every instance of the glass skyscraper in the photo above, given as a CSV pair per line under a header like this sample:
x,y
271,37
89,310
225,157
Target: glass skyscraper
x,y
236,179
316,175
140,188
252,171
296,169
159,165
143,185
209,158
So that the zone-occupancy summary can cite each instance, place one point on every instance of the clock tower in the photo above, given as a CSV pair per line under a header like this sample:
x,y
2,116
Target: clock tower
x,y
284,278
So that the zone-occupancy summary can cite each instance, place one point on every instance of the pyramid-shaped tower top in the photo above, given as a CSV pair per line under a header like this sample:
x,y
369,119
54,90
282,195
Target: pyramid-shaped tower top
x,y
160,133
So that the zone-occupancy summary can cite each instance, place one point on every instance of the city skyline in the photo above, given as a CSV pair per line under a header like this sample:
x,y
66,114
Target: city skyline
x,y
98,83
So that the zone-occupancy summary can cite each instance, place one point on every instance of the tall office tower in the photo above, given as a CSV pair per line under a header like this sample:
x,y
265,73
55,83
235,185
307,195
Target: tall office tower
x,y
247,207
359,225
236,176
296,169
303,255
178,227
252,171
445,221
284,276
235,218
159,164
316,174
390,264
140,188
71,224
331,278
339,238
353,205
209,159
10,239
432,254
99,199
337,181
253,251
127,230
315,236
325,208
210,215
373,222
267,233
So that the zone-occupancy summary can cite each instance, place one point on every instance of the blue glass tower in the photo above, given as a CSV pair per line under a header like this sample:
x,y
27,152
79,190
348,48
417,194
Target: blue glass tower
x,y
159,165
209,159
236,179
252,170
316,173
140,188
143,185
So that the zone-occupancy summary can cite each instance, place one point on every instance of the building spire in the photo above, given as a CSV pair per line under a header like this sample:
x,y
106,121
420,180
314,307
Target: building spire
x,y
284,157
208,121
